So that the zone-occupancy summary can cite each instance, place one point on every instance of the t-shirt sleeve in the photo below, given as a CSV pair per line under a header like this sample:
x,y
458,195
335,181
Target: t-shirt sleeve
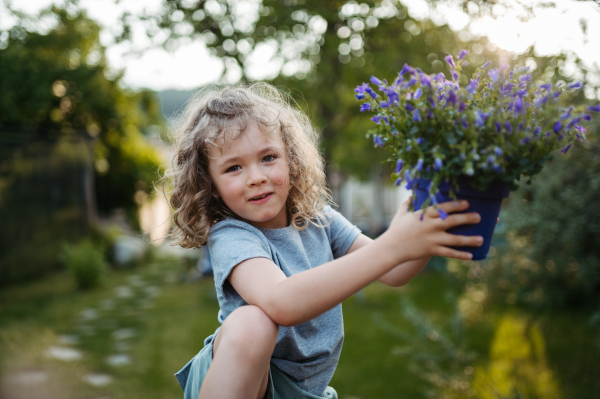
x,y
341,232
229,244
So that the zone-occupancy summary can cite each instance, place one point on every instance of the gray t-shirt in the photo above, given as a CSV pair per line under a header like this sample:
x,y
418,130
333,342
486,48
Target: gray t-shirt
x,y
309,352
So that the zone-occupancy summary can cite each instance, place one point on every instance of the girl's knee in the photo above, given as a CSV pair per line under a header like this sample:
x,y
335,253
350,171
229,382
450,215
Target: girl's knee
x,y
250,325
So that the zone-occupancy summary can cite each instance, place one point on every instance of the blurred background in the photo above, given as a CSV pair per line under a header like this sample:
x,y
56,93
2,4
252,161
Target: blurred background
x,y
95,303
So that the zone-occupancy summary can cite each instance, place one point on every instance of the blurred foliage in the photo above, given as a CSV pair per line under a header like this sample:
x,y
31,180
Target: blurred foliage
x,y
86,262
66,126
57,83
41,203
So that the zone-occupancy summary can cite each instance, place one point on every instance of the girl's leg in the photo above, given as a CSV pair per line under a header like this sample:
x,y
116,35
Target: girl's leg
x,y
241,354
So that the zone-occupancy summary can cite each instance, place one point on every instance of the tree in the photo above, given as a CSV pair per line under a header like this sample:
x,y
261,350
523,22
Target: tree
x,y
58,84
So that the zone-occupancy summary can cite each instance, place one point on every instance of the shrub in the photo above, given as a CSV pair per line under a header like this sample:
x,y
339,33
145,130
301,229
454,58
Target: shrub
x,y
86,261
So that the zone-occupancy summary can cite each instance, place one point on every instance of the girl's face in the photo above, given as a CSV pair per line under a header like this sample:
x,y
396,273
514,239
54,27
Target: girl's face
x,y
251,176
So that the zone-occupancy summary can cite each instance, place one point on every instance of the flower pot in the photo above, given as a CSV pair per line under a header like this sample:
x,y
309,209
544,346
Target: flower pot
x,y
487,203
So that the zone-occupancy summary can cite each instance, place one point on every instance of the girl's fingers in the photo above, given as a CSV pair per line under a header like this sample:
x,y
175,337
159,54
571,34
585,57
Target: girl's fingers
x,y
453,253
448,207
453,240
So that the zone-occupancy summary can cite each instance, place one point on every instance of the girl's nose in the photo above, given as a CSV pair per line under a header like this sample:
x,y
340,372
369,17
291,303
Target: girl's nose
x,y
256,177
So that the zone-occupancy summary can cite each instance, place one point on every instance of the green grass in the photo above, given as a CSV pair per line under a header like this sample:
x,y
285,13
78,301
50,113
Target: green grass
x,y
376,360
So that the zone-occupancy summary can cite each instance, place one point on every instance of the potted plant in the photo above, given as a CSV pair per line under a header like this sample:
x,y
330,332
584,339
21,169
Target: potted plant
x,y
473,141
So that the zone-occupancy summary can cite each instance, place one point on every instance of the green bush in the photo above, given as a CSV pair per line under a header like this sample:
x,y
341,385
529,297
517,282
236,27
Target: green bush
x,y
87,263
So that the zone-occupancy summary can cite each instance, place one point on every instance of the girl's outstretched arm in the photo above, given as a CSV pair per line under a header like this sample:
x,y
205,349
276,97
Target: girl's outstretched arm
x,y
400,274
296,299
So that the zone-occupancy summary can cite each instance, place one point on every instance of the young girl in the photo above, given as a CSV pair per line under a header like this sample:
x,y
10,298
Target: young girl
x,y
249,183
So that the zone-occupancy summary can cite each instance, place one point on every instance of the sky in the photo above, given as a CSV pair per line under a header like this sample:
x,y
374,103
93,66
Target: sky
x,y
191,66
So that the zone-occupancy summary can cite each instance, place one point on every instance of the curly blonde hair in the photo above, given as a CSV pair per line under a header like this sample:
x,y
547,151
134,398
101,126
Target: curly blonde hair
x,y
216,115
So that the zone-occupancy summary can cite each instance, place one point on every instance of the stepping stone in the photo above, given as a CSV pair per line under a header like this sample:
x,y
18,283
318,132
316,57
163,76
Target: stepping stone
x,y
29,377
89,314
107,304
123,292
152,291
65,354
97,380
124,333
69,339
120,359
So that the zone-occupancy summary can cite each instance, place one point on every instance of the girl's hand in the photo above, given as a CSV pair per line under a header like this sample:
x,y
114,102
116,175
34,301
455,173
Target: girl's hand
x,y
410,237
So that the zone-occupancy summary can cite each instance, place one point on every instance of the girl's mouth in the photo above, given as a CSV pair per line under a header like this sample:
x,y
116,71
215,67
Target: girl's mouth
x,y
261,199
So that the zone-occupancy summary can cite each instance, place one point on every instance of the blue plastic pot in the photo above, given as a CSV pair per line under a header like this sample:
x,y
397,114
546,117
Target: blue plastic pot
x,y
487,203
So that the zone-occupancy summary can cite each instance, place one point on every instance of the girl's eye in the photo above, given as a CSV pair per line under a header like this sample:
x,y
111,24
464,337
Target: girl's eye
x,y
270,158
232,169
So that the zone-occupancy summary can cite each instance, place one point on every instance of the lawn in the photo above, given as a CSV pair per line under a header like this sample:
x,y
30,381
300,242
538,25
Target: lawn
x,y
127,339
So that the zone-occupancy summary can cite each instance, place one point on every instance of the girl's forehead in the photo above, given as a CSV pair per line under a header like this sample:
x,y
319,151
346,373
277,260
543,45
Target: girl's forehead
x,y
250,137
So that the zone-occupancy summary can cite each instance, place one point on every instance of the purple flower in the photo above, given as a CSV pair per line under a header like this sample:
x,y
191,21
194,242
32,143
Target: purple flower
x,y
462,54
407,68
537,131
431,102
557,126
452,97
508,127
416,117
395,131
567,114
437,164
392,95
371,92
587,117
409,181
376,81
574,121
385,119
384,104
498,151
540,101
519,108
472,86
360,96
399,165
461,106
525,141
546,86
409,107
493,74
408,148
411,82
480,117
418,93
376,119
398,181
487,63
443,214
525,78
491,159
577,85
450,60
361,88
420,141
365,107
464,123
564,150
420,165
498,126
594,108
425,80
454,74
